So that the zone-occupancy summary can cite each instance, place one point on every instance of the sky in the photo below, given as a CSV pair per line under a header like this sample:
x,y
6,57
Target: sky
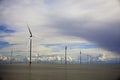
x,y
92,26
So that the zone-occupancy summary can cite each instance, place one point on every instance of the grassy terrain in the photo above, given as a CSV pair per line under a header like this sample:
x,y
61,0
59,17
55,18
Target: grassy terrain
x,y
60,72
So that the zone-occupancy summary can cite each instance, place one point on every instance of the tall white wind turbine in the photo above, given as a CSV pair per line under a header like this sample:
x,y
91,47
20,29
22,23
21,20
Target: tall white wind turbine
x,y
30,42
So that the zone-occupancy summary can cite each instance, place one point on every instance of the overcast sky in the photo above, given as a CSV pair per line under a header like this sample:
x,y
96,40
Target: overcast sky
x,y
92,26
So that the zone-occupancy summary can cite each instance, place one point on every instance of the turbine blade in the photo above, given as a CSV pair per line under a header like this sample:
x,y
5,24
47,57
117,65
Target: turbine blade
x,y
29,30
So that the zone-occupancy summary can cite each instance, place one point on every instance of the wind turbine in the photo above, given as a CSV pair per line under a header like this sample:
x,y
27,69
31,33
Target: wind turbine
x,y
37,58
30,42
87,58
11,56
91,59
61,60
80,57
65,54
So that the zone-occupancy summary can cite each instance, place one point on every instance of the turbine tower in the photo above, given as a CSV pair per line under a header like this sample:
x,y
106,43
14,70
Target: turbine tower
x,y
30,42
80,57
87,58
11,56
65,54
37,57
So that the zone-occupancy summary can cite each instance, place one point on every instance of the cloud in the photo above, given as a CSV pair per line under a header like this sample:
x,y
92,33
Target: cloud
x,y
104,35
61,22
99,24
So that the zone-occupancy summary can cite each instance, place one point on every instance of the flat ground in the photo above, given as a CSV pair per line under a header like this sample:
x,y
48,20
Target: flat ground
x,y
60,72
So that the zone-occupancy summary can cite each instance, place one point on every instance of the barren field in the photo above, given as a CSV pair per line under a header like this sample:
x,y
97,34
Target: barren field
x,y
60,72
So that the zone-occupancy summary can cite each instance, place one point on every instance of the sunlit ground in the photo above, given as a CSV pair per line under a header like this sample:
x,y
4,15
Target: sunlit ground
x,y
60,72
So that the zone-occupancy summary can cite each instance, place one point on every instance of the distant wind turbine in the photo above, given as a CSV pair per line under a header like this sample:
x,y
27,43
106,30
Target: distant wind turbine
x,y
61,60
65,54
87,58
91,59
30,42
80,57
37,58
11,56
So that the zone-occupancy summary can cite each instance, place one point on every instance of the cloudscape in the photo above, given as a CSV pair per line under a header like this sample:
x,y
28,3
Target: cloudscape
x,y
92,26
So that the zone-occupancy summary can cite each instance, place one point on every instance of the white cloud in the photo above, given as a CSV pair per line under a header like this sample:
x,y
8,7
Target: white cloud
x,y
41,15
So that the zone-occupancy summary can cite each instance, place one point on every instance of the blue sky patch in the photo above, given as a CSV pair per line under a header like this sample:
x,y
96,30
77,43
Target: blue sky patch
x,y
59,47
48,45
73,45
82,45
4,44
5,29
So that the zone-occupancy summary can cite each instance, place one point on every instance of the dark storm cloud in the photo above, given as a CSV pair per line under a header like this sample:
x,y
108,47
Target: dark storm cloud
x,y
1,0
104,34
